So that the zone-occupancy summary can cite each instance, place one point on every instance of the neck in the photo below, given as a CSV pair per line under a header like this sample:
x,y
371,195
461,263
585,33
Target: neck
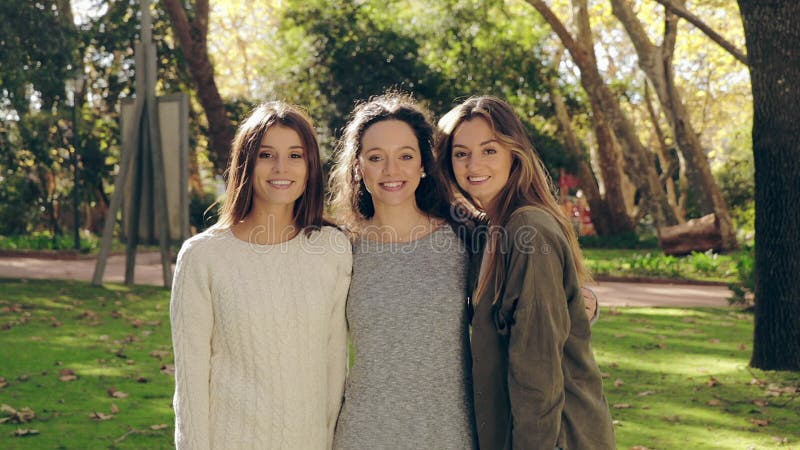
x,y
399,222
268,224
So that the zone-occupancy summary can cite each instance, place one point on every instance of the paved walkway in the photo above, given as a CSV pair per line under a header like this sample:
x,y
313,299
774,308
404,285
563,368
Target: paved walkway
x,y
148,271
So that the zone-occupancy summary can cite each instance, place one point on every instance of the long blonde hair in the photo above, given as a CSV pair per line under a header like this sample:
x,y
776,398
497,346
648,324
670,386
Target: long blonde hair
x,y
529,183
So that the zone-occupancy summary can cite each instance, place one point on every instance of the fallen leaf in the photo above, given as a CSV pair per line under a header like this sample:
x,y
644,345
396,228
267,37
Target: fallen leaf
x,y
141,380
168,369
3,383
672,419
67,375
136,323
687,320
760,422
160,426
742,347
714,341
159,354
605,375
121,354
713,402
18,416
761,403
622,406
114,409
116,394
662,345
97,415
103,337
20,432
780,440
645,393
618,382
36,338
639,447
712,382
758,382
153,323
614,312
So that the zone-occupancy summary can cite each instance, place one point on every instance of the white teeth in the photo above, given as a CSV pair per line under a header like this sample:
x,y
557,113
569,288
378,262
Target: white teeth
x,y
477,179
280,182
393,184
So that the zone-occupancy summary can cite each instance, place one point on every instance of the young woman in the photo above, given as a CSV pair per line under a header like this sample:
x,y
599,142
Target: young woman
x,y
257,309
406,310
535,380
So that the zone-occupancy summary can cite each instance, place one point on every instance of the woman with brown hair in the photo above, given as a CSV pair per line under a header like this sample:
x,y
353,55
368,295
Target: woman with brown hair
x,y
406,310
536,383
257,308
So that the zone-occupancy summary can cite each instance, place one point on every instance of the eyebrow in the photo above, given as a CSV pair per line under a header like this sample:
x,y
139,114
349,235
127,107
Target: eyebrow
x,y
480,145
381,148
294,147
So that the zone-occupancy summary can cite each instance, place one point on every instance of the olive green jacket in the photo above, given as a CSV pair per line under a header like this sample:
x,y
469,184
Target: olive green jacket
x,y
536,384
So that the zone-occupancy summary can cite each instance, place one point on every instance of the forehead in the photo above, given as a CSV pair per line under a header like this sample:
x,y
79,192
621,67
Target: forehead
x,y
389,134
472,131
281,136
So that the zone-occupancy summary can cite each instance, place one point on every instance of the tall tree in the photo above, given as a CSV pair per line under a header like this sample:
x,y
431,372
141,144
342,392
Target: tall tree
x,y
656,62
638,161
190,26
773,52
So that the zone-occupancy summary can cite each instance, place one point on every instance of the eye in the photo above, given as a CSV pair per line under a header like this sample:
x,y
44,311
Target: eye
x,y
374,158
407,157
459,154
296,156
490,151
264,155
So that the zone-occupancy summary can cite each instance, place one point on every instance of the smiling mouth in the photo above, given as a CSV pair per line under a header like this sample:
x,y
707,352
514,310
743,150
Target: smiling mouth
x,y
280,184
392,185
477,180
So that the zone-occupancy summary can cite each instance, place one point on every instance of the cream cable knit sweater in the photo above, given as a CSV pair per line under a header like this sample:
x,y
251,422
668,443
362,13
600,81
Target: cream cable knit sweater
x,y
260,340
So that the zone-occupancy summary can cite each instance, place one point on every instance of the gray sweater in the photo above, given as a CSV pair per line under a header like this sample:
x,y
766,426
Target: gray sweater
x,y
406,312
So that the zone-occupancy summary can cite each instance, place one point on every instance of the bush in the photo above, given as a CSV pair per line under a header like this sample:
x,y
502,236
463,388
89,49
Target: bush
x,y
200,216
743,290
629,240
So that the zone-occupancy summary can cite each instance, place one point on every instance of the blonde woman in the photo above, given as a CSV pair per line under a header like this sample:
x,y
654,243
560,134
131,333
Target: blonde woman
x,y
257,307
536,383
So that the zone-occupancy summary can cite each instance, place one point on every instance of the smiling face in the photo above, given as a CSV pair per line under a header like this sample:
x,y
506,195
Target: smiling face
x,y
281,169
481,163
390,163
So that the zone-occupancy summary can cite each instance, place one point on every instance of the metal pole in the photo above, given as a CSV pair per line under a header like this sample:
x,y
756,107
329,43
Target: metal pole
x,y
75,193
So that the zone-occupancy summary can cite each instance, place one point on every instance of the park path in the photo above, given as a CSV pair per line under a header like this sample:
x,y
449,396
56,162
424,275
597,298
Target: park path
x,y
148,271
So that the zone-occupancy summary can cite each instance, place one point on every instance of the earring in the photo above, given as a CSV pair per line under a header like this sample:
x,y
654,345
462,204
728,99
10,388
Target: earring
x,y
357,177
423,174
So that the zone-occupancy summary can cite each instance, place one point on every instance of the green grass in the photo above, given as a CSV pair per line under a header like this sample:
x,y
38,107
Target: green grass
x,y
652,263
670,364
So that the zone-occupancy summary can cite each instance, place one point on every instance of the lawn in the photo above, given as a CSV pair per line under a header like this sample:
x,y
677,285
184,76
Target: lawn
x,y
93,366
652,263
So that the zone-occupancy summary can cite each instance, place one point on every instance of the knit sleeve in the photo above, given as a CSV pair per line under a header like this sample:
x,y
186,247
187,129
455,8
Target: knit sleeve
x,y
192,320
337,337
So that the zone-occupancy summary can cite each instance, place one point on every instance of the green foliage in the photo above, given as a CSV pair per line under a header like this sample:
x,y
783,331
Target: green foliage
x,y
744,288
736,178
203,213
697,266
44,240
628,240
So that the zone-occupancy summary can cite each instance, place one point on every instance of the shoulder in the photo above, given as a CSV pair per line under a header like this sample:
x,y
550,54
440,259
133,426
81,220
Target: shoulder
x,y
533,220
202,244
333,243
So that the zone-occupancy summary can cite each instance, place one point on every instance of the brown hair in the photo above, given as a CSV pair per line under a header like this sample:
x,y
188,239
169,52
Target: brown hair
x,y
239,192
350,199
529,183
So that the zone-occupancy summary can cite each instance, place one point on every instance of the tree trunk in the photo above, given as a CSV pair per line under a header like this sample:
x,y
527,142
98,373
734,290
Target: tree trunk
x,y
656,62
669,165
192,36
638,161
773,50
607,219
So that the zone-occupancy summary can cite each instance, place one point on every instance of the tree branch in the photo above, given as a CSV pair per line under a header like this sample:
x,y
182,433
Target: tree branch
x,y
697,22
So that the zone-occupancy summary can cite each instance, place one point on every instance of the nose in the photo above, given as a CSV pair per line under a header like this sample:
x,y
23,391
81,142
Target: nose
x,y
279,165
389,167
